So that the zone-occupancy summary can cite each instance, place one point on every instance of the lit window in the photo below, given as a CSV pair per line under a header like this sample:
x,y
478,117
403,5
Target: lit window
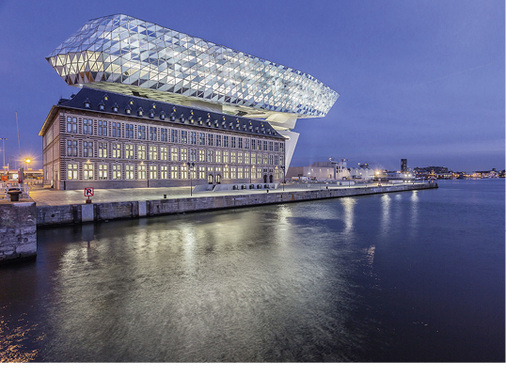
x,y
72,171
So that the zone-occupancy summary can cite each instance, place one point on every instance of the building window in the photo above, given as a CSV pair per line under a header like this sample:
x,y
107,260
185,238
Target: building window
x,y
193,155
72,148
164,172
253,159
152,134
246,173
246,143
218,140
129,131
225,141
153,153
164,153
184,155
265,159
202,138
129,172
232,142
271,159
72,171
116,130
71,124
184,137
173,136
141,171
239,143
163,134
87,171
129,151
239,173
218,157
232,157
141,152
202,155
276,147
116,150
102,171
102,150
281,147
102,128
116,171
265,145
153,172
210,155
173,154
233,173
184,171
226,174
173,172
276,159
210,139
141,132
271,146
193,138
225,157
87,149
87,127
202,172
253,144
259,145
246,158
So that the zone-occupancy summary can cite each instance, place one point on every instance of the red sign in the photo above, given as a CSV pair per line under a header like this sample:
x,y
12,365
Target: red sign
x,y
5,177
88,191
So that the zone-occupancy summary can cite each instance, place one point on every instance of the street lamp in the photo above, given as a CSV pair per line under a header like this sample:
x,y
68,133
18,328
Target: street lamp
x,y
3,148
190,166
283,168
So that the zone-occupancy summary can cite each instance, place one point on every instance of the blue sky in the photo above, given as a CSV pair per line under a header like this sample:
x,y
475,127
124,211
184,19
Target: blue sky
x,y
422,80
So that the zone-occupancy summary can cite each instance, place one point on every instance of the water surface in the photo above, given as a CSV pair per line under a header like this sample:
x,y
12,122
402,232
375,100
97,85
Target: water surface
x,y
412,276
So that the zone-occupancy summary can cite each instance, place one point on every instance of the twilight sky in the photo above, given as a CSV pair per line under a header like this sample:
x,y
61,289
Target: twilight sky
x,y
418,79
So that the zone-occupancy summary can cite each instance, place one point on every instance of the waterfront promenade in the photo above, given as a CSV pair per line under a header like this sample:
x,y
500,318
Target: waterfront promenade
x,y
70,207
49,197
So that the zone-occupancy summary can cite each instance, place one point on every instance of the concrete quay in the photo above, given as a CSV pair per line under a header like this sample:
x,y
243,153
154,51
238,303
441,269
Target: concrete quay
x,y
18,230
69,207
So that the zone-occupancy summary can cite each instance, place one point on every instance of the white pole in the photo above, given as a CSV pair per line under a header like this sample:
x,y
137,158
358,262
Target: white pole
x,y
19,143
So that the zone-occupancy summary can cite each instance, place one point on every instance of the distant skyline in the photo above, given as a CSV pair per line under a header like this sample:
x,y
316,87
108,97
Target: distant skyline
x,y
421,80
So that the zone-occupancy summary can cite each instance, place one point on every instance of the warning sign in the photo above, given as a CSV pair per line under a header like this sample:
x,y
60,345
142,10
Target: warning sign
x,y
88,191
5,178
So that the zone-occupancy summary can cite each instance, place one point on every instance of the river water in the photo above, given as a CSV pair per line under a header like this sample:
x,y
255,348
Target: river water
x,y
412,276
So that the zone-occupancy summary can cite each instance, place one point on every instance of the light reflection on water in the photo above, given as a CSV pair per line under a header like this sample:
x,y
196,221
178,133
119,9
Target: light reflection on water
x,y
337,280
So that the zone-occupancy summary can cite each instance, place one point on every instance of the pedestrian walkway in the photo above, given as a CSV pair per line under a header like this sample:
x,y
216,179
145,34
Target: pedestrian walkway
x,y
51,197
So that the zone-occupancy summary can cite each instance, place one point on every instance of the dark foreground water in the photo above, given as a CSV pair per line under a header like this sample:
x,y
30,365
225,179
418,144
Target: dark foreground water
x,y
414,276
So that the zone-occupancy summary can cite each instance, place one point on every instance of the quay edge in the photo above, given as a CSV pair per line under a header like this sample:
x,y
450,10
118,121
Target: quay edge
x,y
97,212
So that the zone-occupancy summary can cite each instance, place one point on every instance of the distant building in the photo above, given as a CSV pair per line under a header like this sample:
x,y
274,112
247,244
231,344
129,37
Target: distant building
x,y
404,165
330,171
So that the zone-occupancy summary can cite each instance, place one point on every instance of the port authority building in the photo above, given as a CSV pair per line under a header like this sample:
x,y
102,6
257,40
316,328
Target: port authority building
x,y
157,108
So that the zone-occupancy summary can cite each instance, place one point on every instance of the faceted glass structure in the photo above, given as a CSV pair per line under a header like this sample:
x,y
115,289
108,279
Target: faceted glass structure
x,y
127,55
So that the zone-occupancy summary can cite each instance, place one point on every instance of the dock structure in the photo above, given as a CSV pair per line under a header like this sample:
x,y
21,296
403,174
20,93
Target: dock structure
x,y
59,208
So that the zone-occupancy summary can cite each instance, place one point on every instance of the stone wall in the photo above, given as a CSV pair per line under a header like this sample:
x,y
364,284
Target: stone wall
x,y
79,213
18,230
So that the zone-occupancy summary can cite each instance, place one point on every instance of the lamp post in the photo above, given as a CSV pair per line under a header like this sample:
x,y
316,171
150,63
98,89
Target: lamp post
x,y
283,168
3,148
190,166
